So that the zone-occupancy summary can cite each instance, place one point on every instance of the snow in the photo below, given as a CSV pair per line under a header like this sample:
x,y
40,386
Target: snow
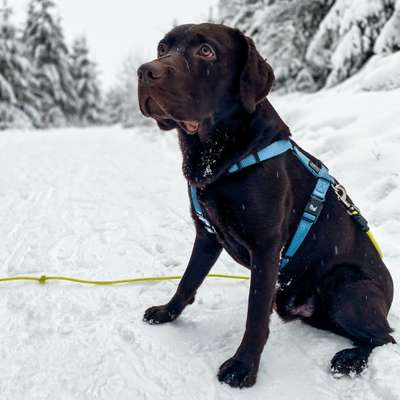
x,y
380,73
108,203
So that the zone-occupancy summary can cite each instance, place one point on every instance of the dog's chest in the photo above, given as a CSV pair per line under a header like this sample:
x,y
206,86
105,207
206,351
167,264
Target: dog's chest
x,y
227,215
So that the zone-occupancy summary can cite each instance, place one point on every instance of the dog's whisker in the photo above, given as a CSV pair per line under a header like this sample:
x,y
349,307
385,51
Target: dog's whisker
x,y
187,63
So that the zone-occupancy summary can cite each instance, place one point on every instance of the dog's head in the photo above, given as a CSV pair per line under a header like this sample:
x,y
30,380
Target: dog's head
x,y
201,72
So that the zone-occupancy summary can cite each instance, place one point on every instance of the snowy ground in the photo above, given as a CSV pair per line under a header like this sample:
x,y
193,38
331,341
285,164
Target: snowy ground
x,y
108,203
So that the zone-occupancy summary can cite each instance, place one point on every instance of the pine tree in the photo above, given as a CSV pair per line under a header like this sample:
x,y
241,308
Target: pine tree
x,y
282,30
239,13
46,47
122,100
316,43
114,105
18,103
86,84
389,38
346,37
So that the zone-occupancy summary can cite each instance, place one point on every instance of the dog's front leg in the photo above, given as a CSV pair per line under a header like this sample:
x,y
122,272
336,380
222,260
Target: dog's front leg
x,y
206,250
241,370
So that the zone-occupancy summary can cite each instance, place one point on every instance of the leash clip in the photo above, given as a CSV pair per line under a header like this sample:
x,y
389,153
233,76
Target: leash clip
x,y
342,195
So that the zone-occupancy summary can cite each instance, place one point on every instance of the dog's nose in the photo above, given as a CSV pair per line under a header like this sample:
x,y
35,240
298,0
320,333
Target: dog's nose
x,y
150,72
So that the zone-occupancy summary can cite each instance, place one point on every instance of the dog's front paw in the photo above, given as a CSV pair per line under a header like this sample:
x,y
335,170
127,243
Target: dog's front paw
x,y
159,315
349,362
238,373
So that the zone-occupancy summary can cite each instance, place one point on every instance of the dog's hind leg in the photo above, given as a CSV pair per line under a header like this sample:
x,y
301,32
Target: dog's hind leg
x,y
358,310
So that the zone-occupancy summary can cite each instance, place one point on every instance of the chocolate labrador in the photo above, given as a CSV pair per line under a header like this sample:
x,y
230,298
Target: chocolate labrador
x,y
210,83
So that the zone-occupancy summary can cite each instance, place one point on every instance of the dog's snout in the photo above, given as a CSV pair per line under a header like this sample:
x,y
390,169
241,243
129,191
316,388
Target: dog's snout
x,y
150,72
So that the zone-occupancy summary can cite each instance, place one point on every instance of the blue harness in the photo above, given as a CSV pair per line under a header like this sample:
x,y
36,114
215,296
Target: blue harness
x,y
313,207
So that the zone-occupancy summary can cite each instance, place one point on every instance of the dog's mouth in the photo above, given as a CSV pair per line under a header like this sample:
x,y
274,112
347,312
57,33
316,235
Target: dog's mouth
x,y
191,127
154,109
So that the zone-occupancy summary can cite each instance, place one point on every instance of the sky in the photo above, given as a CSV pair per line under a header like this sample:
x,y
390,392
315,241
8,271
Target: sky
x,y
116,29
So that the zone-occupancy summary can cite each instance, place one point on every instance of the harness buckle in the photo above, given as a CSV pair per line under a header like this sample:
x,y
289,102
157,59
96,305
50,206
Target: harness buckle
x,y
314,206
314,167
236,167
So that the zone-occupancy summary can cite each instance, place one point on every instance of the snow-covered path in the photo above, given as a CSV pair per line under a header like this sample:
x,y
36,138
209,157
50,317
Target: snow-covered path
x,y
109,204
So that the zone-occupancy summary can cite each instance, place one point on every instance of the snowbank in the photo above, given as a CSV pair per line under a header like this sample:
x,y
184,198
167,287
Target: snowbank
x,y
381,73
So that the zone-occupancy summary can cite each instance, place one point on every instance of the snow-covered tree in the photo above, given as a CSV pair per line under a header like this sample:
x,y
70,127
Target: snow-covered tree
x,y
46,47
346,37
282,30
239,13
86,84
18,102
122,100
389,38
114,105
313,43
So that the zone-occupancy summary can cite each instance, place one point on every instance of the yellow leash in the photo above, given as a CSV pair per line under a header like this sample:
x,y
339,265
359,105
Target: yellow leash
x,y
374,242
42,279
365,228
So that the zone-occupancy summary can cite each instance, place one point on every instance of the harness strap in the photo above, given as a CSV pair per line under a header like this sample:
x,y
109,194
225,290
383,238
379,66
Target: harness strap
x,y
313,207
199,211
273,150
309,217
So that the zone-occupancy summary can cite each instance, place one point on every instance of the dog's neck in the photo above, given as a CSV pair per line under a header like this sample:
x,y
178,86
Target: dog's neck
x,y
227,139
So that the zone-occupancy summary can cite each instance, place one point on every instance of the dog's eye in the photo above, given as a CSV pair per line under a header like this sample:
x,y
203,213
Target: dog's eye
x,y
206,51
162,49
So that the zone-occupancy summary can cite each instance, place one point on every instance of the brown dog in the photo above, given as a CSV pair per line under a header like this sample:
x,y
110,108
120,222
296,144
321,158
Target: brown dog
x,y
210,83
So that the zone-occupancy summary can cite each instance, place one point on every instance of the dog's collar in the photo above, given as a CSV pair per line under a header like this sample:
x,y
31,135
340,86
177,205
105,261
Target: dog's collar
x,y
313,207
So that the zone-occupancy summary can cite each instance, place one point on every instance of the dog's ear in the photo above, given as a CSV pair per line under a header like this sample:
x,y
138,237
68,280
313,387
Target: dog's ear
x,y
256,79
166,124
